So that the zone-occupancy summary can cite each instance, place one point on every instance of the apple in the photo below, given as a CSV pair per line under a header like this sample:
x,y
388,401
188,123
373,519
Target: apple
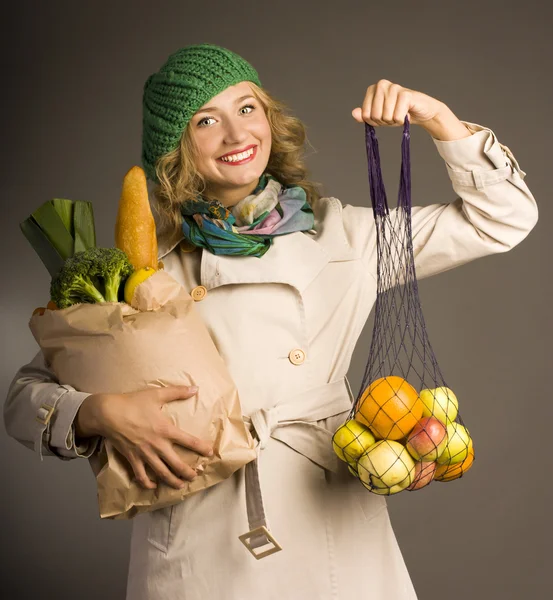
x,y
353,471
451,472
424,474
350,440
427,439
457,447
441,403
385,491
384,465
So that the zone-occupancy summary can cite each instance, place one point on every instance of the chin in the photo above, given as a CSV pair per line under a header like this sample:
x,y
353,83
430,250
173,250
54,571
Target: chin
x,y
247,176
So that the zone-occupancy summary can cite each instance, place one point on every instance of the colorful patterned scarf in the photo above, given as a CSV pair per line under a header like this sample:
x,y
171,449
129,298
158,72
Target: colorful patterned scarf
x,y
248,227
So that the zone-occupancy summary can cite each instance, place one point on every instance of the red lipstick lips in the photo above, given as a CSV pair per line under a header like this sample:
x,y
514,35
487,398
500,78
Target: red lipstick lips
x,y
239,162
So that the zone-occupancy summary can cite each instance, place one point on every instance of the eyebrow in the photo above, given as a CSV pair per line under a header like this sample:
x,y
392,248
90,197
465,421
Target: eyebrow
x,y
214,108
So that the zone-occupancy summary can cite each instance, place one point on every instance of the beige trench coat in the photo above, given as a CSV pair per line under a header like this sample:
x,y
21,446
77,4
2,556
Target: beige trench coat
x,y
287,324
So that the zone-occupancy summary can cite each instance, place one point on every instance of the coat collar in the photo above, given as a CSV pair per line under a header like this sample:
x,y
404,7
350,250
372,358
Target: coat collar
x,y
294,259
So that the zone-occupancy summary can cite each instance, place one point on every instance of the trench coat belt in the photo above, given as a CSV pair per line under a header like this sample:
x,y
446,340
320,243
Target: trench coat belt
x,y
293,423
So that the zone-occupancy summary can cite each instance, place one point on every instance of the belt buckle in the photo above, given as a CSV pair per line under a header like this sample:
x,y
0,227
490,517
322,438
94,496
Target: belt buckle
x,y
245,539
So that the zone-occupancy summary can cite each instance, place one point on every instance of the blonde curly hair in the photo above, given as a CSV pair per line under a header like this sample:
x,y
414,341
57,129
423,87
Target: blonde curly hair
x,y
179,180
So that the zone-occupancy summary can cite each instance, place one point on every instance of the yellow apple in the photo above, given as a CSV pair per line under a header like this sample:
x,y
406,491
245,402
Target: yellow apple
x,y
385,491
350,441
441,403
451,472
353,471
458,445
386,466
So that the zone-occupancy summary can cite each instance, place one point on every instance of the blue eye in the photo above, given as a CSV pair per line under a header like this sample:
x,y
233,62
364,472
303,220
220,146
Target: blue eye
x,y
200,123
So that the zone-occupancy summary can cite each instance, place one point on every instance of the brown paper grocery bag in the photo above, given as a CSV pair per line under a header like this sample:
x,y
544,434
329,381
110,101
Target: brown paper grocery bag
x,y
115,348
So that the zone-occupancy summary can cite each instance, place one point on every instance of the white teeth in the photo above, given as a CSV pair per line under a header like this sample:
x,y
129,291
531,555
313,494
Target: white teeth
x,y
237,157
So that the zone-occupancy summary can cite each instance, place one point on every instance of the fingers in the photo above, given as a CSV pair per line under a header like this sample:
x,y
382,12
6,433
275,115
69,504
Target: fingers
x,y
402,108
140,473
177,466
150,439
389,106
373,107
171,469
175,392
385,103
189,441
165,462
163,472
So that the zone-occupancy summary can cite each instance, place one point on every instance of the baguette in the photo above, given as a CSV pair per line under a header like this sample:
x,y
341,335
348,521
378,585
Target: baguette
x,y
135,229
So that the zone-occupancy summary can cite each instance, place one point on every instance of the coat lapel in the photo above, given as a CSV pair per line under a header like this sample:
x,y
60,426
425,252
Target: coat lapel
x,y
294,259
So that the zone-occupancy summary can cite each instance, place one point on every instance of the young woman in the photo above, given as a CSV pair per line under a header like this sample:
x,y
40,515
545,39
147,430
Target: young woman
x,y
285,312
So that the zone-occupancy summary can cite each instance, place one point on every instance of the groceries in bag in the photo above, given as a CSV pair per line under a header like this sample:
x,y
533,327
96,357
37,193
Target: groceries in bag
x,y
151,336
404,430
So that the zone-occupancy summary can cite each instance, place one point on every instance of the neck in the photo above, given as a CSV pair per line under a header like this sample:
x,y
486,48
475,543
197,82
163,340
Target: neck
x,y
228,197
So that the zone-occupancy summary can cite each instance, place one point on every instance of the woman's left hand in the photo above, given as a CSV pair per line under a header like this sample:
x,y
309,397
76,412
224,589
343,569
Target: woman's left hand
x,y
388,103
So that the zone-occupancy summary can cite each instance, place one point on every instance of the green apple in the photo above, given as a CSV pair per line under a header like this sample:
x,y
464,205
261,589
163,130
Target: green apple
x,y
350,441
441,403
457,447
386,466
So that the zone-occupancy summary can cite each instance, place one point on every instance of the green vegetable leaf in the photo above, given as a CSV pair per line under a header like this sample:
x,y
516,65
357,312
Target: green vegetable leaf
x,y
49,221
58,229
83,226
51,258
64,208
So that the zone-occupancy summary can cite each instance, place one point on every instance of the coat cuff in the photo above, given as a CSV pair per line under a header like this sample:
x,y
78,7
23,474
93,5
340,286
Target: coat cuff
x,y
478,160
62,439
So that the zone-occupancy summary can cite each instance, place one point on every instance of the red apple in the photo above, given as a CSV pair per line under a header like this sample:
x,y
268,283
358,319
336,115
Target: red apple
x,y
424,474
427,440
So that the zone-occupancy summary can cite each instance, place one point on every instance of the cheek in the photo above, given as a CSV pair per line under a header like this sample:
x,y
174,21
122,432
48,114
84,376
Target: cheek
x,y
207,147
264,134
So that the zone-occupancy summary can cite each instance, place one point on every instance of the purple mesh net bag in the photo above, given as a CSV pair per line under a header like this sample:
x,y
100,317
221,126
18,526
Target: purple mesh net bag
x,y
404,430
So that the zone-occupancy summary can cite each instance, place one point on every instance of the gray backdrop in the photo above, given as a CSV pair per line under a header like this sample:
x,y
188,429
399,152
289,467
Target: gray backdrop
x,y
72,85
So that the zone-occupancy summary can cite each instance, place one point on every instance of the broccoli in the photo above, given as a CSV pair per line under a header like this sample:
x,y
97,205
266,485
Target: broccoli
x,y
94,275
113,267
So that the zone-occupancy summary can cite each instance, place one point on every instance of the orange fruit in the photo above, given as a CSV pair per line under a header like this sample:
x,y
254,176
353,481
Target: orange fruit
x,y
390,407
449,472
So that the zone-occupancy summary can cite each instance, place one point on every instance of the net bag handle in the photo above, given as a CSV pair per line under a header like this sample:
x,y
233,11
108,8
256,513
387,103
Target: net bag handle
x,y
376,184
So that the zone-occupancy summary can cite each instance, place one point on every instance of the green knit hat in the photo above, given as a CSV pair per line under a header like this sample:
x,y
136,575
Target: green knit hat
x,y
190,77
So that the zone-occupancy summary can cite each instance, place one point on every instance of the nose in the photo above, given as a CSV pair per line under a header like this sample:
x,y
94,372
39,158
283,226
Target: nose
x,y
235,132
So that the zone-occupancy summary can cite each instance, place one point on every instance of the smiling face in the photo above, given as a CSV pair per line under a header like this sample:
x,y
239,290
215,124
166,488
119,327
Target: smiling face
x,y
232,122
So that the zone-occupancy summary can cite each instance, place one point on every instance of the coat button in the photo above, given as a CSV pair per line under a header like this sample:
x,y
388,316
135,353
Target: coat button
x,y
297,356
198,293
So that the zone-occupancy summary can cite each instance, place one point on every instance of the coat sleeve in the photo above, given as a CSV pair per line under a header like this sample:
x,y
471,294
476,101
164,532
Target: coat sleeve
x,y
493,212
39,413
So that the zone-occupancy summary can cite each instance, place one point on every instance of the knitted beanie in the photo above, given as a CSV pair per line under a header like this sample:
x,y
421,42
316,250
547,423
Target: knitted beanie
x,y
190,77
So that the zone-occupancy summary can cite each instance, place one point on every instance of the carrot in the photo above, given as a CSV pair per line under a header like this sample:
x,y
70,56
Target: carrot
x,y
135,230
52,305
38,311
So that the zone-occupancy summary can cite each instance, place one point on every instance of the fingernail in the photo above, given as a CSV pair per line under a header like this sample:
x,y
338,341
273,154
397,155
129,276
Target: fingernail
x,y
193,388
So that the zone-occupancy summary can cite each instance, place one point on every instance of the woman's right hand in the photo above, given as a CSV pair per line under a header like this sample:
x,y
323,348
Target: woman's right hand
x,y
135,425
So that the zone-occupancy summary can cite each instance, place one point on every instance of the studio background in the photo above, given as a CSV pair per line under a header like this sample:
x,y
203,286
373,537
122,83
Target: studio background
x,y
72,91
